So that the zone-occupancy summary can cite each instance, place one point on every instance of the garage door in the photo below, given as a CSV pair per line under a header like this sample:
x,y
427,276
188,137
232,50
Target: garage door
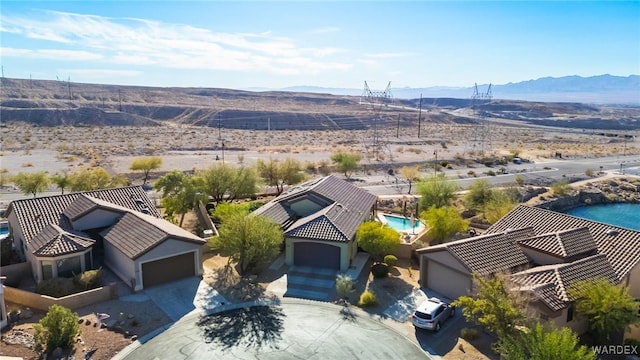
x,y
168,270
316,255
447,281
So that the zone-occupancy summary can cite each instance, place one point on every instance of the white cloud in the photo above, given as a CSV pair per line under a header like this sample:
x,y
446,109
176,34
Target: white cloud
x,y
140,42
325,30
388,55
100,73
51,54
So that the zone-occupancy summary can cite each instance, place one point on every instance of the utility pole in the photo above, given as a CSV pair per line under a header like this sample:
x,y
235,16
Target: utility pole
x,y
398,127
220,135
419,115
69,86
120,100
435,164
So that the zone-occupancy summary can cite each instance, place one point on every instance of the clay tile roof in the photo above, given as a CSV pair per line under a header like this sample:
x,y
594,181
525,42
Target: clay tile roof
x,y
136,233
620,245
319,226
487,254
54,241
550,283
35,214
344,206
564,243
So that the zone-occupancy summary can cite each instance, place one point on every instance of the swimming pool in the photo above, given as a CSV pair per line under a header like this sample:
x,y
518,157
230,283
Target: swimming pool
x,y
402,224
624,215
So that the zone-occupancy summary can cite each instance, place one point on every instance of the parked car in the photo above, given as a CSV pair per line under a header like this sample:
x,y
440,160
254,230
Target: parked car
x,y
431,314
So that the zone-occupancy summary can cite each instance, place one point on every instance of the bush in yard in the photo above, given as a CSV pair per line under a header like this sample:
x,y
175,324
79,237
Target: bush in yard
x,y
368,299
391,260
58,329
469,334
90,279
57,287
380,270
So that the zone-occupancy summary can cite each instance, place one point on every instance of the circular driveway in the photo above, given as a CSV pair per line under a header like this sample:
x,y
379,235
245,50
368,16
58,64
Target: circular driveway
x,y
291,330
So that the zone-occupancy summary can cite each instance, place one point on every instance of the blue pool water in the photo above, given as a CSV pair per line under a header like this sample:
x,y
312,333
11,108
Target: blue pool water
x,y
401,224
623,215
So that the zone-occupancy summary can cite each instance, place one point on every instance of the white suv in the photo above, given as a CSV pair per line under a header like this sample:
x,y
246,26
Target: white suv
x,y
431,314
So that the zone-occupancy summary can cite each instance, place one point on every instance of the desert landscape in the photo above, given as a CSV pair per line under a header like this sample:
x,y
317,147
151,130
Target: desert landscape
x,y
57,126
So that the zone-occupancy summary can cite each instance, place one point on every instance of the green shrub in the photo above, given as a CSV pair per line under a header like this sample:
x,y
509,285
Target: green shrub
x,y
468,334
58,329
367,299
391,260
561,188
380,270
57,287
90,279
491,173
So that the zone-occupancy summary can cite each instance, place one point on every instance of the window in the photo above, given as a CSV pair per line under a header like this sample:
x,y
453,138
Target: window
x,y
47,270
570,310
67,267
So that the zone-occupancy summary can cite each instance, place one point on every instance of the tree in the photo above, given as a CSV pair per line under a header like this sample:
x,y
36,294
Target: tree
x,y
608,308
444,222
479,193
344,286
278,174
346,163
436,190
248,240
180,193
499,204
495,307
146,164
377,239
31,183
411,174
88,179
224,182
62,181
540,343
58,329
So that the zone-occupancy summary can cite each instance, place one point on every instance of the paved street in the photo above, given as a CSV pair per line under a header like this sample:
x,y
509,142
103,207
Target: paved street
x,y
294,329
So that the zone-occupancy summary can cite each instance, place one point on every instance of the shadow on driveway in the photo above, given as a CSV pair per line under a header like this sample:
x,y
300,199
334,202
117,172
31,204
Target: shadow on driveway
x,y
258,326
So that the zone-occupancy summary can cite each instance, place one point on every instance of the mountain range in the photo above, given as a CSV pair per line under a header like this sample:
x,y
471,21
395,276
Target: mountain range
x,y
601,89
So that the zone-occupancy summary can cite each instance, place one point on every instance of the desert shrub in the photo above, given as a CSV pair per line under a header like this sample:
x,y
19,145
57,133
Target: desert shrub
x,y
468,334
56,287
344,286
588,172
379,270
391,260
560,188
471,173
491,173
367,299
57,329
90,279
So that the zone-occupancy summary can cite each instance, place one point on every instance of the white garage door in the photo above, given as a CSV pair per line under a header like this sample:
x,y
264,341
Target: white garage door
x,y
447,281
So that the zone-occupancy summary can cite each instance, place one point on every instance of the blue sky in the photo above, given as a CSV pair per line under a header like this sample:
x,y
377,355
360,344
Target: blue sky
x,y
245,44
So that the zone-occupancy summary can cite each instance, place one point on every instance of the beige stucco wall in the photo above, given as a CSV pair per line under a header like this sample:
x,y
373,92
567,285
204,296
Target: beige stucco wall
x,y
345,260
74,301
16,231
121,265
633,281
540,258
96,219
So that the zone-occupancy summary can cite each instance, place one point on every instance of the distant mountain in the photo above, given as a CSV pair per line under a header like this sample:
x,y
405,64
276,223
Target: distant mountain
x,y
601,89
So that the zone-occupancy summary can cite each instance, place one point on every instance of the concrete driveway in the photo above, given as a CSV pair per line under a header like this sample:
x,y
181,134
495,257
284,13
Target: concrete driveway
x,y
293,329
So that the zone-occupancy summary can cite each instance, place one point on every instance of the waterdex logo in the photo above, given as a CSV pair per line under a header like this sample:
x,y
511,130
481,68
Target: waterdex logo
x,y
615,349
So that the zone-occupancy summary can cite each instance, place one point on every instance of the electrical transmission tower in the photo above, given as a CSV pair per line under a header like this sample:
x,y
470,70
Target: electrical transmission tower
x,y
480,137
376,101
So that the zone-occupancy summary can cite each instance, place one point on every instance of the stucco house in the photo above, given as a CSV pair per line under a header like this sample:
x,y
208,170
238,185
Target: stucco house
x,y
545,252
319,219
121,228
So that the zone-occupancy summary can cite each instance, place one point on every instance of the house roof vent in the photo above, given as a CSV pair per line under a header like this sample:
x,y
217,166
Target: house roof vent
x,y
612,232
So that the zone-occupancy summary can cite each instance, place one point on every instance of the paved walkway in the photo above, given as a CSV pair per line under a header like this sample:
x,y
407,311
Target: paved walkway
x,y
293,329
